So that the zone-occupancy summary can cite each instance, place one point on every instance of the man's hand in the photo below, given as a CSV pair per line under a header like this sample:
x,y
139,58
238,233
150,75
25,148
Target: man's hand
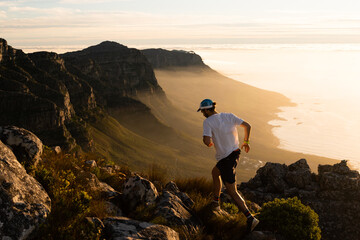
x,y
207,141
246,146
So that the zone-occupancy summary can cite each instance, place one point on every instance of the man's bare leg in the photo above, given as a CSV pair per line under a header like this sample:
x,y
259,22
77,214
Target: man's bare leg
x,y
216,189
240,202
216,182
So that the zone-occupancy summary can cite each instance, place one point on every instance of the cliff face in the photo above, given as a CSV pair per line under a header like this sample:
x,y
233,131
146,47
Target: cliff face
x,y
55,96
32,98
161,58
114,71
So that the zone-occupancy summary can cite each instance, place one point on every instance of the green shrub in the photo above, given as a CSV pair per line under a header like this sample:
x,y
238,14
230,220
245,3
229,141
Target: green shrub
x,y
290,218
230,208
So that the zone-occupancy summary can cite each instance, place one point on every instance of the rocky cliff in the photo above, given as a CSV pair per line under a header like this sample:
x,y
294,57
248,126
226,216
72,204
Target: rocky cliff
x,y
161,58
334,193
56,96
113,70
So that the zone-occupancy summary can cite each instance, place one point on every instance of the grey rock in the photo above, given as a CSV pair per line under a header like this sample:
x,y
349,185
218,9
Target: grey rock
x,y
121,228
138,190
24,204
272,176
26,146
95,185
91,163
57,149
113,210
299,174
175,207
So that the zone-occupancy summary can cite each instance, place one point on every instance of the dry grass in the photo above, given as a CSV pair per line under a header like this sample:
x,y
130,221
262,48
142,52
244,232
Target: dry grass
x,y
71,202
227,225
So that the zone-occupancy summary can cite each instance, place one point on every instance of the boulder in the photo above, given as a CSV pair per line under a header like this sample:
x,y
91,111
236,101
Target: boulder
x,y
26,146
91,164
95,185
56,149
137,191
175,207
125,228
112,210
24,204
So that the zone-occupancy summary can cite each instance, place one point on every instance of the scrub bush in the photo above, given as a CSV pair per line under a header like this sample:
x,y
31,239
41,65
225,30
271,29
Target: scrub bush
x,y
290,218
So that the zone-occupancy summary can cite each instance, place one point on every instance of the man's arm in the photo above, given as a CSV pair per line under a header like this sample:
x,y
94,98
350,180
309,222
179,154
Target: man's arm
x,y
207,141
247,129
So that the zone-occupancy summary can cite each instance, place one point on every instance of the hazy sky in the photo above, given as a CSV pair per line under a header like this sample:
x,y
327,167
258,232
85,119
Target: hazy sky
x,y
36,23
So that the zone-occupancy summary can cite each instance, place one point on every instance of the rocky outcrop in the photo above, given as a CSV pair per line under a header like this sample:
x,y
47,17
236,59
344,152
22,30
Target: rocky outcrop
x,y
125,228
161,58
334,193
24,204
137,191
175,207
26,146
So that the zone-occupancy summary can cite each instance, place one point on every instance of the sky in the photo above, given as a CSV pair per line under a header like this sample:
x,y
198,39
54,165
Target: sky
x,y
31,24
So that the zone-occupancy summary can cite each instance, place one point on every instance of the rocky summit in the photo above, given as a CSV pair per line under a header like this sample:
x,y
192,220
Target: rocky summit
x,y
334,193
161,58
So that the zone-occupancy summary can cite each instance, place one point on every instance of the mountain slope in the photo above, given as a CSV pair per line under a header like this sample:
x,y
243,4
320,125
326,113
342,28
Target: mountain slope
x,y
187,86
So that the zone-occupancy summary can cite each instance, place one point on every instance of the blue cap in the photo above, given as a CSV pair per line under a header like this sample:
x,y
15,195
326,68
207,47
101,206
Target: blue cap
x,y
206,104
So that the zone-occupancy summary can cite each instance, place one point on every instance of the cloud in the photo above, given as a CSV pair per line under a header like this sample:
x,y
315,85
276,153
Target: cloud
x,y
8,4
63,25
90,1
2,14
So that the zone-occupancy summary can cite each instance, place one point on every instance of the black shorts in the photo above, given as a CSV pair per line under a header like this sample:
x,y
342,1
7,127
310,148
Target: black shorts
x,y
227,166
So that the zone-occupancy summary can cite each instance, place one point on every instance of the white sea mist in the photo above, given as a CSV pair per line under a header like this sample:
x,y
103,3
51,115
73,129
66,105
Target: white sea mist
x,y
322,79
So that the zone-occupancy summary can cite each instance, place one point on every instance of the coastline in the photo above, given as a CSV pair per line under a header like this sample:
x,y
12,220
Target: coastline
x,y
186,87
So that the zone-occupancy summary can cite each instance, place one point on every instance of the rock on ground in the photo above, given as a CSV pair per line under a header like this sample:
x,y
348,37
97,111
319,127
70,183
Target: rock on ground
x,y
122,228
24,204
138,190
26,146
175,207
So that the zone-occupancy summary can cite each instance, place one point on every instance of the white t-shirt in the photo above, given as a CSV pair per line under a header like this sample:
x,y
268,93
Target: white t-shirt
x,y
221,127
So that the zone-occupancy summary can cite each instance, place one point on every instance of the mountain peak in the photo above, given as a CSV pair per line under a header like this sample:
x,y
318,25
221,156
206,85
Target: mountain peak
x,y
106,46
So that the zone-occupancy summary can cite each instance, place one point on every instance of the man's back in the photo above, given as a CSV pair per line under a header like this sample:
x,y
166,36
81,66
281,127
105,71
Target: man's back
x,y
221,128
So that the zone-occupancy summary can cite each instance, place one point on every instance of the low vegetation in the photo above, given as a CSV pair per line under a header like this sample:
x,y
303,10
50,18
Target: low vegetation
x,y
290,218
73,203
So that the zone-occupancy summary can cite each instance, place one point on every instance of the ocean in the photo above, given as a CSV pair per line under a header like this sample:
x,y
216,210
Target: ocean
x,y
322,79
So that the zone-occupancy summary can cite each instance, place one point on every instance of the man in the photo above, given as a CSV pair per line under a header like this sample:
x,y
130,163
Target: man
x,y
219,129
